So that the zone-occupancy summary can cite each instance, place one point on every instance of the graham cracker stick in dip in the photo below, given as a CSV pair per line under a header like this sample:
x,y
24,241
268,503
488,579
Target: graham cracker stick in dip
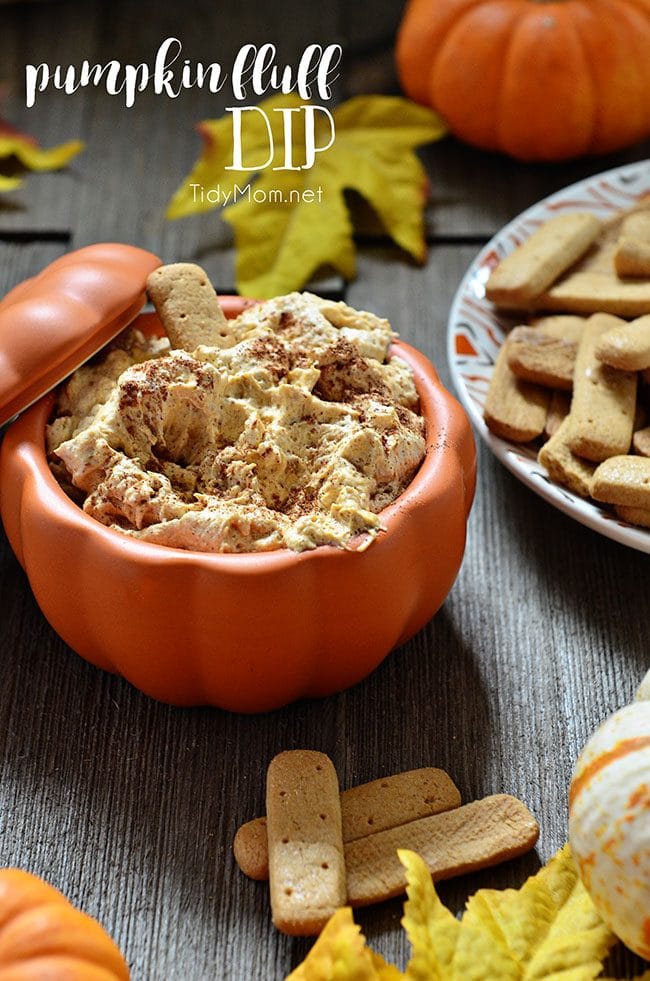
x,y
365,809
306,862
188,306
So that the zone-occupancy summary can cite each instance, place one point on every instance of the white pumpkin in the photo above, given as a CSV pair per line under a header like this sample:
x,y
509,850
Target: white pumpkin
x,y
609,821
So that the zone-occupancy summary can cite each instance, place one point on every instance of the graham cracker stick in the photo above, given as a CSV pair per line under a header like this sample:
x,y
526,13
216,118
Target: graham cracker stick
x,y
514,409
626,346
634,516
604,398
623,480
306,863
641,441
465,839
188,306
596,292
366,809
535,356
558,410
632,256
534,265
563,465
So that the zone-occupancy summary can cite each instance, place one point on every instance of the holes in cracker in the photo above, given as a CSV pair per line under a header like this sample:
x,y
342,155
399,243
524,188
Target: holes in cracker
x,y
384,784
288,891
324,865
318,768
371,820
323,817
285,841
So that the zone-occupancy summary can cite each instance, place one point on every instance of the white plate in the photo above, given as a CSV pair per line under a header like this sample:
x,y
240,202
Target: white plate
x,y
476,332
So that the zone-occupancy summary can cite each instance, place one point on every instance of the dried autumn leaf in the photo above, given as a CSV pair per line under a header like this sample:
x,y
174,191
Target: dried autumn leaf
x,y
294,221
339,953
432,930
25,149
549,929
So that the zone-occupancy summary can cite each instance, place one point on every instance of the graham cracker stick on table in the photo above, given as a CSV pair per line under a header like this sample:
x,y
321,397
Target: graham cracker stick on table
x,y
188,306
365,809
604,399
533,266
306,862
468,838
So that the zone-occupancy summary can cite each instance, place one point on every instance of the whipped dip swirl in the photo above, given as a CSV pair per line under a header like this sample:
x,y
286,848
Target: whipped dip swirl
x,y
295,432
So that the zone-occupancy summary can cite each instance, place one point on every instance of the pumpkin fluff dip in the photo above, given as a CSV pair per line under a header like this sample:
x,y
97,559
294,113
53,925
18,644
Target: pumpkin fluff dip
x,y
287,427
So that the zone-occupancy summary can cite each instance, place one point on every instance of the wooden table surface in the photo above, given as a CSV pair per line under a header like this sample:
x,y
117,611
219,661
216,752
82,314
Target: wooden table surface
x,y
130,806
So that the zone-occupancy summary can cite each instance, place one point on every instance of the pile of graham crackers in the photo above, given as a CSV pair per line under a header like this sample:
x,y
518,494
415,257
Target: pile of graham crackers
x,y
576,375
321,849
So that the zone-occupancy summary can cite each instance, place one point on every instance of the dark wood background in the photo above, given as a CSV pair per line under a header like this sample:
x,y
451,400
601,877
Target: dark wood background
x,y
129,806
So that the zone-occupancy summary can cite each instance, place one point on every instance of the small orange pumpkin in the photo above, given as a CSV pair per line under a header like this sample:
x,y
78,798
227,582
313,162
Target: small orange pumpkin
x,y
42,936
537,79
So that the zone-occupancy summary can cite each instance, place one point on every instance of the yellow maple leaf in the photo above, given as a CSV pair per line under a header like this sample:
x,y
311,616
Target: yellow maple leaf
x,y
549,929
432,930
291,222
25,149
339,954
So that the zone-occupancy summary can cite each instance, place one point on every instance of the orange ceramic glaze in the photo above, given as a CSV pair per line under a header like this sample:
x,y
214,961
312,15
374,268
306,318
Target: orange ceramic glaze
x,y
52,323
246,632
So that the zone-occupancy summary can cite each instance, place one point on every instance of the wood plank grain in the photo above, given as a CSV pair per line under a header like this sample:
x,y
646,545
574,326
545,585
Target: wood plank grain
x,y
131,806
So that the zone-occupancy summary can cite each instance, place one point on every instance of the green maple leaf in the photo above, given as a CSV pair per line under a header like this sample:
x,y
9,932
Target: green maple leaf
x,y
300,220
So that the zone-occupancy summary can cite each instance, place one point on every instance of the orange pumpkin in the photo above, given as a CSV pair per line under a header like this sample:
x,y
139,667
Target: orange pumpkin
x,y
42,936
537,79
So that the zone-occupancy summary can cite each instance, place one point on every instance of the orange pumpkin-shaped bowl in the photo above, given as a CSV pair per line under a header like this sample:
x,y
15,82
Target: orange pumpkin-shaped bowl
x,y
246,632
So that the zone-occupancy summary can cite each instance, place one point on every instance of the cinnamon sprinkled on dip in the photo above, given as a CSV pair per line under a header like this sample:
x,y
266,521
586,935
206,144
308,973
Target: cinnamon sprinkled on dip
x,y
296,432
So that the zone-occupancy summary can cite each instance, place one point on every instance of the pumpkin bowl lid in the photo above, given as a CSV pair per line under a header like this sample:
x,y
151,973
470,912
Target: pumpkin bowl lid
x,y
52,323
